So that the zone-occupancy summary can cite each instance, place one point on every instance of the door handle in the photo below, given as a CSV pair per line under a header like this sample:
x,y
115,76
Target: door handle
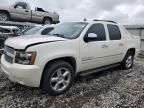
x,y
26,11
105,46
121,44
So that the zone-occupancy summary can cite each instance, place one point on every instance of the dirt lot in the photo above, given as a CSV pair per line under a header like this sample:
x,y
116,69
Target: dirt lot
x,y
113,88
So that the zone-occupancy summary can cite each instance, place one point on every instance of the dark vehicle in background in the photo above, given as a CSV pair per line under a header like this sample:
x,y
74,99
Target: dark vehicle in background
x,y
12,31
7,32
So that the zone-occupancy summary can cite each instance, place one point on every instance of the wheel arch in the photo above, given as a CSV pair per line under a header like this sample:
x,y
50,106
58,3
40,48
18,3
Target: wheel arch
x,y
48,18
132,50
129,49
5,12
69,59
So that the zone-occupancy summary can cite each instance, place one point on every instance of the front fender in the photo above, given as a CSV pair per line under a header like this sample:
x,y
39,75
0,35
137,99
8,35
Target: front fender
x,y
49,58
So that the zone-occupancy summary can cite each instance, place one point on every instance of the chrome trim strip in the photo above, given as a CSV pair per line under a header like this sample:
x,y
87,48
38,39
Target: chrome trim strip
x,y
92,58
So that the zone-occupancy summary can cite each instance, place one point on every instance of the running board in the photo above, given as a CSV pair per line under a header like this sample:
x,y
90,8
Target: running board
x,y
88,72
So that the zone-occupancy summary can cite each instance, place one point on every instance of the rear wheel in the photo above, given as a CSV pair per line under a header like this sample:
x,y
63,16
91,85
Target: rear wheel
x,y
127,63
47,21
57,78
4,16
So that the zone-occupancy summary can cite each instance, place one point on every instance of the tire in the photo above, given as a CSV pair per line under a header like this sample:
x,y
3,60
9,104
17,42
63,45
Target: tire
x,y
4,16
57,78
47,21
127,62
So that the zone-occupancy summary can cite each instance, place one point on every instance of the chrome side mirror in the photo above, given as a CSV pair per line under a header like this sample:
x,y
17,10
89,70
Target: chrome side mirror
x,y
92,35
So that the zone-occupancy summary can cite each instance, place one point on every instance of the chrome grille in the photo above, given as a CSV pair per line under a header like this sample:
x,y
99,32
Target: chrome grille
x,y
9,54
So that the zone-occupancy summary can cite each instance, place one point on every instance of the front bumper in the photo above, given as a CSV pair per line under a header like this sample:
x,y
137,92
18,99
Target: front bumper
x,y
29,75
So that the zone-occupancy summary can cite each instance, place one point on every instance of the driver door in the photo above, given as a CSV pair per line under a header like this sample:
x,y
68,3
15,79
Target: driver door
x,y
94,51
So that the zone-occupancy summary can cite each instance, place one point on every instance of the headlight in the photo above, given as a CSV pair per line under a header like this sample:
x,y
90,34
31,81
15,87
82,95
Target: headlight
x,y
25,58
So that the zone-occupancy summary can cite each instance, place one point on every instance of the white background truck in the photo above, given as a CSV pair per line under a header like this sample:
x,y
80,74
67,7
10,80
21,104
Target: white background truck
x,y
52,62
21,11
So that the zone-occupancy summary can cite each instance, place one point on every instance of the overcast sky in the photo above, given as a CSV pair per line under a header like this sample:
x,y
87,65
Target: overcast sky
x,y
122,11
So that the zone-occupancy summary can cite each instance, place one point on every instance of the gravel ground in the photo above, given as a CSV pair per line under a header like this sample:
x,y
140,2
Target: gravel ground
x,y
113,88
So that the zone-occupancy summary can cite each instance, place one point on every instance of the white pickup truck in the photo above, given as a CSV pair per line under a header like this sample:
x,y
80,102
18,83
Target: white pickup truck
x,y
21,11
52,62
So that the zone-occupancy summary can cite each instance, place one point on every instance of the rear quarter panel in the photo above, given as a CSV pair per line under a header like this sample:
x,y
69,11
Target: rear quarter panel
x,y
37,16
129,41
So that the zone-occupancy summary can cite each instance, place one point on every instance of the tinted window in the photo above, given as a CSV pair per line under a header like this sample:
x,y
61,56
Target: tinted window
x,y
114,32
99,30
21,5
47,30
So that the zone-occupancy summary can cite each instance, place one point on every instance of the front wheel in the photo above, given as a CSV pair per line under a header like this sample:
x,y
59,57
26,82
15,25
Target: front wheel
x,y
57,78
127,63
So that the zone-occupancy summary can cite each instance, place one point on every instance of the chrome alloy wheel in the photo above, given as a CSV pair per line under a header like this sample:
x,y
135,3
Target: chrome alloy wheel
x,y
60,79
129,61
3,17
47,22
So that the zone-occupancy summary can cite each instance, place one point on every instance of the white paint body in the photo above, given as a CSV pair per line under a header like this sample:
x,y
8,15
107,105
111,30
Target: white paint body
x,y
30,75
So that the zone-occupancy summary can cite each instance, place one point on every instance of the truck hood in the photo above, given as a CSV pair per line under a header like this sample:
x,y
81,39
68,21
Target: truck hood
x,y
24,42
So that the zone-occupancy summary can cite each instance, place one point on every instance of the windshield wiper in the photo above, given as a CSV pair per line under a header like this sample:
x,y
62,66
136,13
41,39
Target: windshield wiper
x,y
58,35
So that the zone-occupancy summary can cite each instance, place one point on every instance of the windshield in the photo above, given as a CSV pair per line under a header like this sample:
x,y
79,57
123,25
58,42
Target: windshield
x,y
32,30
68,30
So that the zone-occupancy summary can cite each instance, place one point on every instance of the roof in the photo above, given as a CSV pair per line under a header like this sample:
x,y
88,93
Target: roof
x,y
105,21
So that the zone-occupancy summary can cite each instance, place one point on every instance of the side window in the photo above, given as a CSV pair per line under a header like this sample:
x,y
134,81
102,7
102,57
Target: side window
x,y
21,6
46,31
99,30
114,32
